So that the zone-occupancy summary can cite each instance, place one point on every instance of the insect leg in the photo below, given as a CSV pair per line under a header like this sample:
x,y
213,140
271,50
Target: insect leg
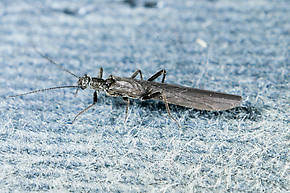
x,y
157,74
100,73
136,73
127,107
84,110
77,90
168,109
159,94
148,96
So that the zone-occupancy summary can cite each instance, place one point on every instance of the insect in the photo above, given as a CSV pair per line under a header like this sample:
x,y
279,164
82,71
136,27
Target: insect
x,y
131,87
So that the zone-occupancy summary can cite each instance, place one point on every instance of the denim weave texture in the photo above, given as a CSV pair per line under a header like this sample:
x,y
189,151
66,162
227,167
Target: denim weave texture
x,y
238,47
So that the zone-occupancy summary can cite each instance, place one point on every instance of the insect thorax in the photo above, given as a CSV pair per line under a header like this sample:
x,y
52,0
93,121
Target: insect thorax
x,y
126,87
98,84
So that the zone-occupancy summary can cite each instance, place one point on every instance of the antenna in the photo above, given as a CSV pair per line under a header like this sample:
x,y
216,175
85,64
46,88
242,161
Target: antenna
x,y
53,62
41,90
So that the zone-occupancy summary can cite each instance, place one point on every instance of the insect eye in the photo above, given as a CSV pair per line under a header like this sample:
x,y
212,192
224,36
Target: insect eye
x,y
85,82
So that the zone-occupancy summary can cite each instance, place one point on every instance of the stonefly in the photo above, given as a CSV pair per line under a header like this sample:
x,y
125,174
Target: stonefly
x,y
148,89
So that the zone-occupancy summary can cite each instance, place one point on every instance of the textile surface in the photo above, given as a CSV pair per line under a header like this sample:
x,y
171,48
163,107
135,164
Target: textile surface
x,y
238,47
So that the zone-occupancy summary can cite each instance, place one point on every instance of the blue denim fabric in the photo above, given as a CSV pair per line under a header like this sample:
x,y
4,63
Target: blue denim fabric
x,y
239,47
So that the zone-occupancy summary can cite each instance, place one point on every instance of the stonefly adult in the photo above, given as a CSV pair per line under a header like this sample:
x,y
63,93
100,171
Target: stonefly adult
x,y
130,87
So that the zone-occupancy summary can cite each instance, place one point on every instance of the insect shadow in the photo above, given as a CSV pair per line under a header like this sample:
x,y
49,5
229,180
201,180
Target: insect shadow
x,y
146,4
238,113
247,112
